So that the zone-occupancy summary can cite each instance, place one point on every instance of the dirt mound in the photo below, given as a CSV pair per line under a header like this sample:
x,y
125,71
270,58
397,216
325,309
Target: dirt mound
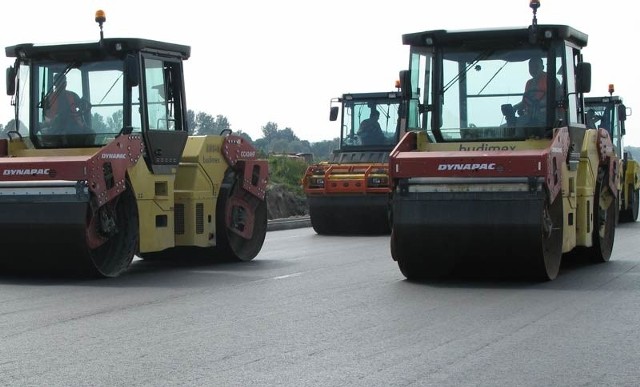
x,y
283,203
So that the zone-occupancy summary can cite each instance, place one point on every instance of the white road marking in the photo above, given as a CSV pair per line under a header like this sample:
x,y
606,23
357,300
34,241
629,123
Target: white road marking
x,y
287,276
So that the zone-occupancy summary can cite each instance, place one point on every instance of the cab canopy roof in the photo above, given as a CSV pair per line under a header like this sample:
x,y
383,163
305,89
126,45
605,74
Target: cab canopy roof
x,y
604,99
375,95
470,38
108,47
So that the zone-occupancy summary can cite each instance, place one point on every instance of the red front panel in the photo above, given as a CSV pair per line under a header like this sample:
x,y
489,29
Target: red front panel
x,y
347,179
119,155
43,168
464,163
469,164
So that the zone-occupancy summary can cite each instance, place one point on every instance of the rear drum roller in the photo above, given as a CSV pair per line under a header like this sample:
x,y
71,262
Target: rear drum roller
x,y
229,244
605,210
547,264
630,214
117,219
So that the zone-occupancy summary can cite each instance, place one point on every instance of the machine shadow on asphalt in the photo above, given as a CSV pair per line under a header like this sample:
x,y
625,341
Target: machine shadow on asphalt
x,y
186,265
174,273
576,275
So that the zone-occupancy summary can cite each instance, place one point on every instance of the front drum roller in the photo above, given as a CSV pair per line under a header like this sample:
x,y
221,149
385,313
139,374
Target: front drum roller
x,y
435,234
350,214
605,210
52,234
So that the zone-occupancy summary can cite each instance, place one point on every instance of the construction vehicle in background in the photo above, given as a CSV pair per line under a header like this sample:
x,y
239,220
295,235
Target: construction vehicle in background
x,y
349,194
610,113
109,171
475,185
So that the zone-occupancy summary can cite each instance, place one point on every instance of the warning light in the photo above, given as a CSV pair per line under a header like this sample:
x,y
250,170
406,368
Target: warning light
x,y
100,16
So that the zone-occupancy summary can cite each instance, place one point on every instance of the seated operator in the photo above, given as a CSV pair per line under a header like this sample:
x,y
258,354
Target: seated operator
x,y
62,108
532,109
592,119
370,132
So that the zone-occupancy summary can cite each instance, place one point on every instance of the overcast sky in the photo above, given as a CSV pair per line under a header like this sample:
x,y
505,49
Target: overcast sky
x,y
283,60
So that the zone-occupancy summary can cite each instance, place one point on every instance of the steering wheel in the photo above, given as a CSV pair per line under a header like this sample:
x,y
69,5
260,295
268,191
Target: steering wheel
x,y
84,106
353,139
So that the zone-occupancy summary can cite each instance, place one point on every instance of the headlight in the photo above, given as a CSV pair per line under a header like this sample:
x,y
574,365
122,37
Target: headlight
x,y
378,182
316,182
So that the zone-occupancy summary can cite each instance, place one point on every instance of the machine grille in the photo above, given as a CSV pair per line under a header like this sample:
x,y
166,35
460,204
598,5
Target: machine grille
x,y
199,218
179,218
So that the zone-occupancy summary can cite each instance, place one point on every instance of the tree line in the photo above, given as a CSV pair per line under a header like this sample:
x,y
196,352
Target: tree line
x,y
273,141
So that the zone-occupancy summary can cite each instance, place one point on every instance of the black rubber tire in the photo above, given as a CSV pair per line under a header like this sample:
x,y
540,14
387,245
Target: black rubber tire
x,y
414,265
114,256
354,221
230,245
320,222
630,214
604,221
547,265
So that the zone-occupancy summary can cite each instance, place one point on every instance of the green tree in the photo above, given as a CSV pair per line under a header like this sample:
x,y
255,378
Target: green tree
x,y
269,131
243,135
299,146
287,134
97,123
191,121
322,150
11,126
221,123
207,124
204,123
276,140
279,145
115,122
262,145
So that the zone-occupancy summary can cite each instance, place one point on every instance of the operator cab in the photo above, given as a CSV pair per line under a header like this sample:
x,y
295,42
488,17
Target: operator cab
x,y
108,88
495,85
370,121
608,113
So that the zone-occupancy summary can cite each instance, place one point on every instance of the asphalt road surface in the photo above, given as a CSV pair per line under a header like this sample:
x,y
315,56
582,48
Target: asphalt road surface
x,y
324,311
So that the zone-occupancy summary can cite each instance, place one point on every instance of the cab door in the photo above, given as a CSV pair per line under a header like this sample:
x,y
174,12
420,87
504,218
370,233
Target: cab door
x,y
164,111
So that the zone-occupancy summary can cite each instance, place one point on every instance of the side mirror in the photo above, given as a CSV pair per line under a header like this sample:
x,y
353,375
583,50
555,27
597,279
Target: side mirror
x,y
11,80
131,70
622,112
405,84
583,77
333,113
